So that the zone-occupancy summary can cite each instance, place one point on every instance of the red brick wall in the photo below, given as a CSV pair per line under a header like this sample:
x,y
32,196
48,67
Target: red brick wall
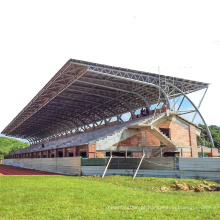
x,y
151,140
100,154
70,150
91,149
214,152
193,140
135,140
137,154
187,154
178,134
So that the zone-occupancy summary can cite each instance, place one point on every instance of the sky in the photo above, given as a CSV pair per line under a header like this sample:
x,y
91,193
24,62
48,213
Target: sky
x,y
182,38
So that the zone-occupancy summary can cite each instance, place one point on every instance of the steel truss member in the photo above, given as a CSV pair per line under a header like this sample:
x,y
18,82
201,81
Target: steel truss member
x,y
85,95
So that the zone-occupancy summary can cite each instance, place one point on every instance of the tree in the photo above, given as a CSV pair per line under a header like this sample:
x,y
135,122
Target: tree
x,y
8,145
204,138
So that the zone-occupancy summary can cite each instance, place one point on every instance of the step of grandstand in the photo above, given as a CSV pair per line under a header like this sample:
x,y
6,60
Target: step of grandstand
x,y
98,136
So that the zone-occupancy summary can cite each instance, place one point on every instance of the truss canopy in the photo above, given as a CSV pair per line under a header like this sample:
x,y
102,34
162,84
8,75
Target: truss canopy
x,y
83,93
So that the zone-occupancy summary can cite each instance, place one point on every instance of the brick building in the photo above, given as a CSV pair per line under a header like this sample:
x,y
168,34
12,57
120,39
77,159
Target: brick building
x,y
166,135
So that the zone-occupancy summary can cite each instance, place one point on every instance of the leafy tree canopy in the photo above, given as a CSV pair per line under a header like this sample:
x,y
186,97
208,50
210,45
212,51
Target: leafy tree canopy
x,y
8,145
204,139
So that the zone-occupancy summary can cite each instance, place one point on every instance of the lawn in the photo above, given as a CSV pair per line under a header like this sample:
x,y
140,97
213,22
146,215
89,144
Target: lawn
x,y
114,197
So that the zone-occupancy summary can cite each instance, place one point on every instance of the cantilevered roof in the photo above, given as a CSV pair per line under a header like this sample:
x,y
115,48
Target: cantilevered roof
x,y
84,93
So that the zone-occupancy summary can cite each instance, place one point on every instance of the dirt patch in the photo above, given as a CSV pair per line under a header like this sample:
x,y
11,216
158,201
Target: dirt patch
x,y
205,186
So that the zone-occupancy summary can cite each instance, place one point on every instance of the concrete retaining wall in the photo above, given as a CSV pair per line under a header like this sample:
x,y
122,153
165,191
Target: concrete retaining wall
x,y
63,165
98,170
164,163
200,164
204,168
8,162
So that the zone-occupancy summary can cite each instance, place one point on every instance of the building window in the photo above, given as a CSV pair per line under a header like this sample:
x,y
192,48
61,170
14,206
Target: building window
x,y
83,154
166,131
70,154
60,153
119,154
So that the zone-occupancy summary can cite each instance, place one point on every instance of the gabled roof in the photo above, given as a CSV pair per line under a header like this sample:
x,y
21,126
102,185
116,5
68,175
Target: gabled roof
x,y
189,122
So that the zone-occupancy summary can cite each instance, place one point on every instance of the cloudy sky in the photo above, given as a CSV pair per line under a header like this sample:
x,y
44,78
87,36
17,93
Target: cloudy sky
x,y
38,37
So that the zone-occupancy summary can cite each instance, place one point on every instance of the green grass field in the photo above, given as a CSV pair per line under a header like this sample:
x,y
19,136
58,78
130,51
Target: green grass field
x,y
114,197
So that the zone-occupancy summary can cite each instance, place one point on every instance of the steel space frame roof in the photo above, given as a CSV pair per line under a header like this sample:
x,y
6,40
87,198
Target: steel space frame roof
x,y
82,95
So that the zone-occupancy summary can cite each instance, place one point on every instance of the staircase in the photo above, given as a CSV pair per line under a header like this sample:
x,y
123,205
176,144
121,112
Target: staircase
x,y
126,130
110,139
148,122
158,152
162,137
156,118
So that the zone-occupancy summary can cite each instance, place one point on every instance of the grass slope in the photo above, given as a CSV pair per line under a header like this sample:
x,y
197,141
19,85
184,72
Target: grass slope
x,y
8,145
114,197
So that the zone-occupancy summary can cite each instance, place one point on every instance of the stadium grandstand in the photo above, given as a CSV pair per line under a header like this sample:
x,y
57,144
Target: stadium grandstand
x,y
93,110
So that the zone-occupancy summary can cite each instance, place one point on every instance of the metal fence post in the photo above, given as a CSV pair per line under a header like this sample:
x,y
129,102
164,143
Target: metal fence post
x,y
138,166
106,167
